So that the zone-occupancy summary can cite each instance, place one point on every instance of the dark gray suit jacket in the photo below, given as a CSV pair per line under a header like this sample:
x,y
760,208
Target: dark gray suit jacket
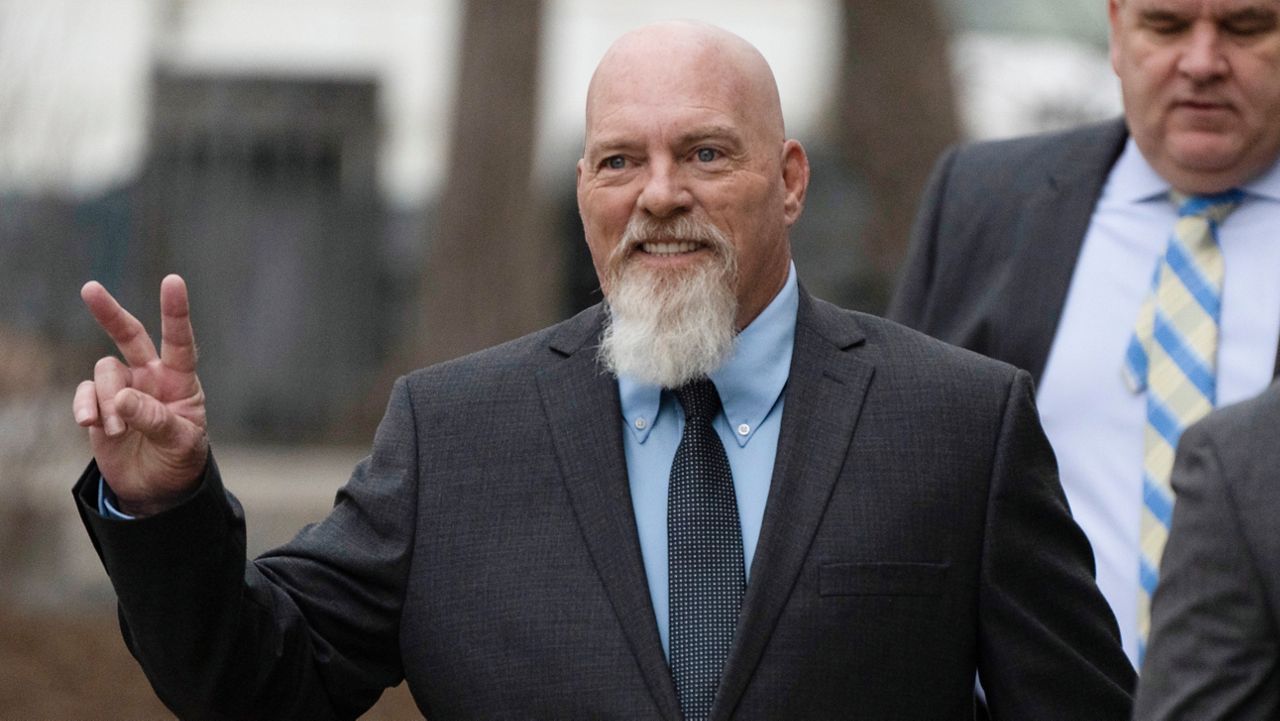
x,y
1215,635
486,551
997,237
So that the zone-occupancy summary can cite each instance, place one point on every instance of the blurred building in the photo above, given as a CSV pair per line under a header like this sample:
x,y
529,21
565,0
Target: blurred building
x,y
285,155
263,191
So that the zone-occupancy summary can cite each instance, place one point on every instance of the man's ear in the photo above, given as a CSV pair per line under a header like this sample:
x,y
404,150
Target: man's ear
x,y
1113,18
795,179
578,182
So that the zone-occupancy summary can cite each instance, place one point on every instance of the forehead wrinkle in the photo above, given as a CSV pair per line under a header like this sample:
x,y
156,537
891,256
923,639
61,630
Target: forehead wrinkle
x,y
696,122
708,131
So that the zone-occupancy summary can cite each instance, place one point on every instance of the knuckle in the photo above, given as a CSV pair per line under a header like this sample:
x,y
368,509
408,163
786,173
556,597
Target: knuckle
x,y
130,401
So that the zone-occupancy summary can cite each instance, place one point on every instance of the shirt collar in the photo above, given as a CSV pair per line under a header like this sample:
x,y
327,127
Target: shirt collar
x,y
1133,179
1266,185
749,383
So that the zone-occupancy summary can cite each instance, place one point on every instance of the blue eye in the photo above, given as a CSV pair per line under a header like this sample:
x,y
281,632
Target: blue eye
x,y
706,155
615,162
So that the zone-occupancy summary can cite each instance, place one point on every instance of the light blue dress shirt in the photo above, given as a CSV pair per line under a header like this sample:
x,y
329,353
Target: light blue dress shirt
x,y
107,503
751,388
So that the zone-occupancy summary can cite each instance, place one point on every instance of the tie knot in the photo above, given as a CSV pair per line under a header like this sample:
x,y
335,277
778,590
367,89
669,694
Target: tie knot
x,y
1215,207
699,399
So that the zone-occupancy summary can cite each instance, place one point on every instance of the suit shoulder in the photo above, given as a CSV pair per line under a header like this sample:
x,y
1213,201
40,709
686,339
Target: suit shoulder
x,y
921,381
980,192
910,356
1256,413
1245,429
1038,151
514,359
1233,452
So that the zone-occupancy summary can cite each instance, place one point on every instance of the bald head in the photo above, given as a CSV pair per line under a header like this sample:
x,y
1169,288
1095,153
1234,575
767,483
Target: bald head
x,y
684,60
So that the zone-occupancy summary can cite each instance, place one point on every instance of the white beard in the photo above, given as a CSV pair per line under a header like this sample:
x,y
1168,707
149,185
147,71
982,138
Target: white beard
x,y
669,327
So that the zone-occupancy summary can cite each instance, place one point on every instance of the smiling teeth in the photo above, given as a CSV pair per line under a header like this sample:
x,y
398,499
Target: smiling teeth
x,y
683,246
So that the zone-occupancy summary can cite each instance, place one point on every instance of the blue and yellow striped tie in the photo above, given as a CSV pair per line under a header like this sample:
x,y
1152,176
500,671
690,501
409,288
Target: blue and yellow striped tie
x,y
1173,356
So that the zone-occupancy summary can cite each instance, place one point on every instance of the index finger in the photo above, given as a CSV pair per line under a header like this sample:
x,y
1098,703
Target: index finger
x,y
177,339
127,332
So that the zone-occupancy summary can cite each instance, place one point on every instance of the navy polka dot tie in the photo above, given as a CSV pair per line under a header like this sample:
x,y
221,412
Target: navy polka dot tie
x,y
704,554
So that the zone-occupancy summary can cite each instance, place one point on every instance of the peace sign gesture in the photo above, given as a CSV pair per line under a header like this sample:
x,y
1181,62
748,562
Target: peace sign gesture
x,y
145,414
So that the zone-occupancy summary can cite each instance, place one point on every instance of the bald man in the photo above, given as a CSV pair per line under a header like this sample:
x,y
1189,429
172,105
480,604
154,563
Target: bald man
x,y
712,496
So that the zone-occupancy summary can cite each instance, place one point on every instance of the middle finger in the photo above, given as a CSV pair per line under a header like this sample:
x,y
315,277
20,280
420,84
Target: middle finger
x,y
110,376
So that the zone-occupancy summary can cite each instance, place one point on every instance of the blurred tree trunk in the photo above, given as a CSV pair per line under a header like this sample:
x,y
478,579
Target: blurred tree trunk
x,y
492,270
895,112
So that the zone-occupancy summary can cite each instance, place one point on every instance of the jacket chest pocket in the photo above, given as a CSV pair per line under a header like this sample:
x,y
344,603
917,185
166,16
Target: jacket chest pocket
x,y
882,579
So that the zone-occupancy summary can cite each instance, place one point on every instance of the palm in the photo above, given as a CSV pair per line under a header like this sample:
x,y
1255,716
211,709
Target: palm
x,y
146,415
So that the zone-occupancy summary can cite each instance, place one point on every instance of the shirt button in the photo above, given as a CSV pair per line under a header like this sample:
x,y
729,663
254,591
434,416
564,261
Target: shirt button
x,y
641,424
743,429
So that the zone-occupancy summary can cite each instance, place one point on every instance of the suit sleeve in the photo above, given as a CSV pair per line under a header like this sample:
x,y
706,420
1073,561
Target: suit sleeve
x,y
913,294
1049,647
1213,648
308,631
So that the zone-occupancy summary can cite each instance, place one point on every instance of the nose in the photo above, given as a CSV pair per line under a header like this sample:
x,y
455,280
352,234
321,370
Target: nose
x,y
665,191
1202,60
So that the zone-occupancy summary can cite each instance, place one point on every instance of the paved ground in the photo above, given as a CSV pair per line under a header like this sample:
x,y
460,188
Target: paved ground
x,y
75,667
61,656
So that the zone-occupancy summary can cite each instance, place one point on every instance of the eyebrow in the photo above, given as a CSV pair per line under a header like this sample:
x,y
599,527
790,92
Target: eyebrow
x,y
1253,13
1161,15
610,145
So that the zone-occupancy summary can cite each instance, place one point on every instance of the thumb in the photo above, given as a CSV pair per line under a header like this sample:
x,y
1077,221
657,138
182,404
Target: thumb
x,y
148,416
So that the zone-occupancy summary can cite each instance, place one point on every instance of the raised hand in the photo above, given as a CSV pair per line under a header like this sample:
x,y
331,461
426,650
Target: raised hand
x,y
145,415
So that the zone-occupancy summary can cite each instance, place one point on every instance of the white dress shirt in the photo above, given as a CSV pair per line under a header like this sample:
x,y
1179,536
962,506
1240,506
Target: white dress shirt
x,y
1094,423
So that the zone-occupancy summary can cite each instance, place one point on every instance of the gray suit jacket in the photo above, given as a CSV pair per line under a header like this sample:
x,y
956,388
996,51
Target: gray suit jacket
x,y
1215,636
486,551
996,241
997,237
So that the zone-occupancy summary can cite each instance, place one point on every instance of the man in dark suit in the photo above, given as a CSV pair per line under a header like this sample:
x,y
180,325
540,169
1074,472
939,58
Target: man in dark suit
x,y
1041,252
1215,632
524,540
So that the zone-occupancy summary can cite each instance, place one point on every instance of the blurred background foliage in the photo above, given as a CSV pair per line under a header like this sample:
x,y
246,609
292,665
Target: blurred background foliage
x,y
354,188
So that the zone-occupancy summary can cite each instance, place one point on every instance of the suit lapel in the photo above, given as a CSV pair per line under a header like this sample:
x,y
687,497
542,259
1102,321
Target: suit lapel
x,y
1055,220
824,396
583,413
